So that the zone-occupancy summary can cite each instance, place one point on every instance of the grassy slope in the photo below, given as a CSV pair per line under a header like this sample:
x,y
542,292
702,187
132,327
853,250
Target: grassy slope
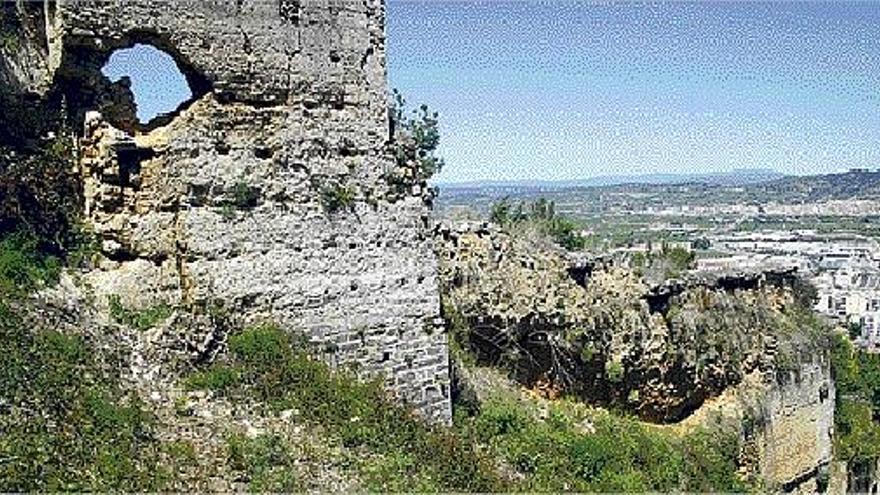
x,y
69,426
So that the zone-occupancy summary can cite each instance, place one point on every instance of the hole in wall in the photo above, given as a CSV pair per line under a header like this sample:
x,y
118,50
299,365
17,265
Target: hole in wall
x,y
159,87
111,75
262,152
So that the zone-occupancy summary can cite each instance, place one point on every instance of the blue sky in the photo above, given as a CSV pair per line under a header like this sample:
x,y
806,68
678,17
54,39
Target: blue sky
x,y
562,89
568,90
157,83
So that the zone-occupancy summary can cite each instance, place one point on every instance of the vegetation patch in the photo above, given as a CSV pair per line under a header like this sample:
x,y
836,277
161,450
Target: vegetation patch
x,y
266,461
338,198
394,450
542,215
67,427
857,416
602,452
144,319
416,150
242,196
40,194
25,265
669,262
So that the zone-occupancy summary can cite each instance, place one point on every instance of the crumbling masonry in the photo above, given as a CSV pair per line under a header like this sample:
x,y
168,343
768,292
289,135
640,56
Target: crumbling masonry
x,y
226,201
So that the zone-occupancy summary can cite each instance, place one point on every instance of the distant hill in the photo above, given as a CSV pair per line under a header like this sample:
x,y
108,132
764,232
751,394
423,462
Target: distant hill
x,y
857,183
733,178
745,187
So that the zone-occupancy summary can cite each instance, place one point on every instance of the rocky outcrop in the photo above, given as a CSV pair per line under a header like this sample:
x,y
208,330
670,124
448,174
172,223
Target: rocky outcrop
x,y
787,429
602,332
268,192
663,352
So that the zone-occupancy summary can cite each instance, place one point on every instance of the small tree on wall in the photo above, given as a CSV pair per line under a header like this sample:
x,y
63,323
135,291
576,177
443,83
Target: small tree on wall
x,y
415,137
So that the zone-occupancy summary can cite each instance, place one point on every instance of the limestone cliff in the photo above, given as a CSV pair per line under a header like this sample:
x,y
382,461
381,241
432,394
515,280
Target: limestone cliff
x,y
599,331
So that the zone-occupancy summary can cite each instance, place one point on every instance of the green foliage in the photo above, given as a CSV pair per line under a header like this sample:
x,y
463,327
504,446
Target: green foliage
x,y
144,319
854,329
40,194
181,451
9,26
64,426
267,462
423,127
218,377
710,462
670,262
8,42
241,196
24,265
337,197
397,447
244,196
857,417
542,214
395,451
858,435
614,371
680,258
505,214
701,244
617,455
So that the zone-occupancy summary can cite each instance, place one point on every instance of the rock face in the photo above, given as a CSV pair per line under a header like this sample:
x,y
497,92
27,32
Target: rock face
x,y
267,193
794,443
599,330
665,352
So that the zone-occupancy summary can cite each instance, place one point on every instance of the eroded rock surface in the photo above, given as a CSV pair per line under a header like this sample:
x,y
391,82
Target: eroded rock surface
x,y
663,352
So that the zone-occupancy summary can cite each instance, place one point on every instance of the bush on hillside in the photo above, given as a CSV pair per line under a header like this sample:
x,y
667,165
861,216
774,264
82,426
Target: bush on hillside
x,y
542,215
65,426
40,194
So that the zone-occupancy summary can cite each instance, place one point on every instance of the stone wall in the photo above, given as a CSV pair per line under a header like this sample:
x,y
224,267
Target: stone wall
x,y
225,201
796,438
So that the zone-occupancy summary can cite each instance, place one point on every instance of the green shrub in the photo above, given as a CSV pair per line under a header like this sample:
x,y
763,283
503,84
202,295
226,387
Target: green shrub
x,y
244,196
857,377
395,451
619,455
64,426
710,462
275,368
423,127
241,196
218,377
542,214
41,194
267,462
8,42
24,265
337,198
144,319
614,371
681,259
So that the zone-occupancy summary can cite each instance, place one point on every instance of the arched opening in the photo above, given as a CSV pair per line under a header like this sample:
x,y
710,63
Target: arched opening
x,y
137,82
159,88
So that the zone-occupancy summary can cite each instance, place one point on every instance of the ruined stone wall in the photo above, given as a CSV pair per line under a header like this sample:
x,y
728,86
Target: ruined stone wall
x,y
796,437
225,201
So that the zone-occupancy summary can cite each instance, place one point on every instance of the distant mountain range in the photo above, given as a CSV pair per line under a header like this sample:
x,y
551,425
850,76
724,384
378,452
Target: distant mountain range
x,y
752,186
732,178
854,184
